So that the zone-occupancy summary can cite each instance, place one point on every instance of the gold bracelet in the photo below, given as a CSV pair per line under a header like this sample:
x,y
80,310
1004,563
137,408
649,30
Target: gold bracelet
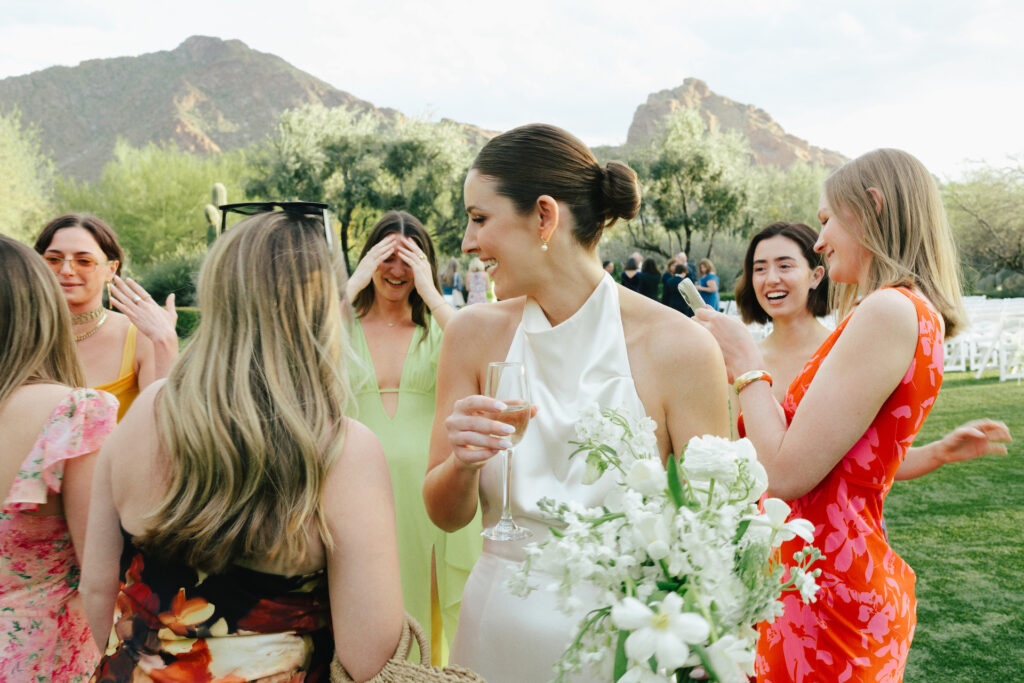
x,y
748,378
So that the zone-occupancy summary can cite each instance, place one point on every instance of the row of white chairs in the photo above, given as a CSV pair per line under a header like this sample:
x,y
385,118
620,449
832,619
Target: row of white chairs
x,y
994,338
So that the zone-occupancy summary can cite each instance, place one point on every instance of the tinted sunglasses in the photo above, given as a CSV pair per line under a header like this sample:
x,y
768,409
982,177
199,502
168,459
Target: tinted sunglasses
x,y
298,208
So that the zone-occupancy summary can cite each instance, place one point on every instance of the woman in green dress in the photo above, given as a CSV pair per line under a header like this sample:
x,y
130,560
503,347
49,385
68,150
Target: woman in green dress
x,y
396,335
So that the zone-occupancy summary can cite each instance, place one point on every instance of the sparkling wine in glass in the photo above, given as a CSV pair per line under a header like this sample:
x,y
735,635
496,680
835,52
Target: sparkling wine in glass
x,y
506,382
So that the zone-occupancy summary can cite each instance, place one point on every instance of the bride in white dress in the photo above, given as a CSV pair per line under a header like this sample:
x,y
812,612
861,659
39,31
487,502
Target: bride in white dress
x,y
538,202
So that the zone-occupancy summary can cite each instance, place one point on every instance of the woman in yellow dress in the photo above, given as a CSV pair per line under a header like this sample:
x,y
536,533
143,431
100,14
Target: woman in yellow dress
x,y
84,254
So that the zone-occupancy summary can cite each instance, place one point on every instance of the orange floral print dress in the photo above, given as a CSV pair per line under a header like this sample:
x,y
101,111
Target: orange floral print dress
x,y
861,626
176,624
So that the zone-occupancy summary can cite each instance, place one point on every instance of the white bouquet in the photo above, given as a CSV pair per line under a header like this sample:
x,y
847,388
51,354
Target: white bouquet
x,y
682,561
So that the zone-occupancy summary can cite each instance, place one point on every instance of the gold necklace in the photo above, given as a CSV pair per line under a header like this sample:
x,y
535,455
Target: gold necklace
x,y
94,330
82,318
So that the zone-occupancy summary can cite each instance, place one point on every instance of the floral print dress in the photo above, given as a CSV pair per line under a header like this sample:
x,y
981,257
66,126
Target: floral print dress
x,y
43,632
861,626
175,623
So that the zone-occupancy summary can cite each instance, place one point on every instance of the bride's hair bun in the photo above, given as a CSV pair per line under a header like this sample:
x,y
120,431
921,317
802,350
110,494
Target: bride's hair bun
x,y
620,189
535,160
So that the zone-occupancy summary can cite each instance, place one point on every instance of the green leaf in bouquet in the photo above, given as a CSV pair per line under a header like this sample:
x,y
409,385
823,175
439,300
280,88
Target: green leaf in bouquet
x,y
741,529
620,656
675,485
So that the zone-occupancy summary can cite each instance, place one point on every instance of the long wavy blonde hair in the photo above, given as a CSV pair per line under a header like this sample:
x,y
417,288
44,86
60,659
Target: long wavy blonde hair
x,y
251,417
35,326
910,240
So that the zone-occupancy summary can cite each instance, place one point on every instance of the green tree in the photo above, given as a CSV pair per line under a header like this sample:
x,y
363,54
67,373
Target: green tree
x,y
695,177
26,175
362,164
986,212
153,196
425,163
322,155
789,194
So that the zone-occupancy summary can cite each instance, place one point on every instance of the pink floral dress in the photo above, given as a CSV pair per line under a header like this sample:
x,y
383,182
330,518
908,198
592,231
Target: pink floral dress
x,y
43,632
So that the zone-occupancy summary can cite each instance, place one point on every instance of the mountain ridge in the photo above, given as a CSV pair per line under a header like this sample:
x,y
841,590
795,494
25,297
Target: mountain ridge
x,y
210,95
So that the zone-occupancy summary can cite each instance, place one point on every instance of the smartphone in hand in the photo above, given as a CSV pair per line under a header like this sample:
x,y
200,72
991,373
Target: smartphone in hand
x,y
690,294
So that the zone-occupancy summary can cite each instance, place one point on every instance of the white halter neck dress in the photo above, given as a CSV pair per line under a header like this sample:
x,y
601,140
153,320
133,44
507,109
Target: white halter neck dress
x,y
583,360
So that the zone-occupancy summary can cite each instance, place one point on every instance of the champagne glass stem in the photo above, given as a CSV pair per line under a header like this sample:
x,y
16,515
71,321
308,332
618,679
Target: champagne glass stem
x,y
506,489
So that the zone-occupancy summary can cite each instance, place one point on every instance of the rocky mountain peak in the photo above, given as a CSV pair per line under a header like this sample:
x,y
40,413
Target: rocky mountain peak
x,y
768,141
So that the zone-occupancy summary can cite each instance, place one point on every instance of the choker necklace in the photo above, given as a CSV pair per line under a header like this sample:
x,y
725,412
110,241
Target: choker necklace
x,y
82,318
95,328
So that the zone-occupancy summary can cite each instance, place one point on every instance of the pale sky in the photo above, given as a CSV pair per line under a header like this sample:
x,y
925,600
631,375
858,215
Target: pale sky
x,y
940,78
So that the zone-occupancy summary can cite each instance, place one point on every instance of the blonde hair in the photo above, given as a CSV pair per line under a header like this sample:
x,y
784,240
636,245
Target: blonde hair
x,y
35,325
251,417
706,262
910,240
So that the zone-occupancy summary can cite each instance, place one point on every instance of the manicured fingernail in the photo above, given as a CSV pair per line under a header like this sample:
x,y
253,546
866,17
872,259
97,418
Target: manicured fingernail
x,y
504,444
507,429
498,405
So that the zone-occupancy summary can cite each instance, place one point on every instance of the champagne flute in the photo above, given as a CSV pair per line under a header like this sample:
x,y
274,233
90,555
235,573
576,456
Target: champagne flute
x,y
506,382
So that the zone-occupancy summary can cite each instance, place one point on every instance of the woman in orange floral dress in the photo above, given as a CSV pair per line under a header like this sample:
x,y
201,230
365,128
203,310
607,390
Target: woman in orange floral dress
x,y
833,448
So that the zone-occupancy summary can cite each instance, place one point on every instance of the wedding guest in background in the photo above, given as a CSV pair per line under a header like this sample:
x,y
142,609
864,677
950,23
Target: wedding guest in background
x,y
630,278
51,433
708,283
538,203
249,524
477,282
84,254
670,295
396,336
783,275
873,381
609,267
451,282
650,279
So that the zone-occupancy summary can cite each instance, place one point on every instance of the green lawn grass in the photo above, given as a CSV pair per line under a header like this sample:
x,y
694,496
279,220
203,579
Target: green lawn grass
x,y
962,530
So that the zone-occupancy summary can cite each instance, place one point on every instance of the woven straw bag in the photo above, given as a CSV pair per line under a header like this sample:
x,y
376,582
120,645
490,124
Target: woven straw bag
x,y
400,670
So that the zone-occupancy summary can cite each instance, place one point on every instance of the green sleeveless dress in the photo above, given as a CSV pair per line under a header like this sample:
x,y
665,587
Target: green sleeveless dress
x,y
406,441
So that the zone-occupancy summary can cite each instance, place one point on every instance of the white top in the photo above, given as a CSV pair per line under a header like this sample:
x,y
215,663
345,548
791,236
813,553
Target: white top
x,y
578,362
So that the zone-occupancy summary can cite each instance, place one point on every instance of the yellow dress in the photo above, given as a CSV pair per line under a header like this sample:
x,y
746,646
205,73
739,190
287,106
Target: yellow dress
x,y
126,387
406,442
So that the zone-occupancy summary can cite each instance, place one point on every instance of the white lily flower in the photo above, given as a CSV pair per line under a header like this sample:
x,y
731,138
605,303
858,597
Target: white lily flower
x,y
774,518
732,659
665,634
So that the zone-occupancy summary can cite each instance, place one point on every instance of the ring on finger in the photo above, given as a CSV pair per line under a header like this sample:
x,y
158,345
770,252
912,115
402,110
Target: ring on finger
x,y
136,298
423,257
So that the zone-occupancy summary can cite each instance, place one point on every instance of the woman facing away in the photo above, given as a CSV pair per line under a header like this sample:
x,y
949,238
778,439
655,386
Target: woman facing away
x,y
538,202
708,283
631,274
873,381
396,336
84,254
242,528
784,281
51,433
650,279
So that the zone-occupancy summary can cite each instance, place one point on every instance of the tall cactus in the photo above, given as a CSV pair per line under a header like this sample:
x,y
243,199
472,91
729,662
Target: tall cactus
x,y
219,196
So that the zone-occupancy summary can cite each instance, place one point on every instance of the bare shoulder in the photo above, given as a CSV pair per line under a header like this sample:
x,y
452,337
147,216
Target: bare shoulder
x,y
483,332
885,311
28,407
361,457
486,319
664,333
